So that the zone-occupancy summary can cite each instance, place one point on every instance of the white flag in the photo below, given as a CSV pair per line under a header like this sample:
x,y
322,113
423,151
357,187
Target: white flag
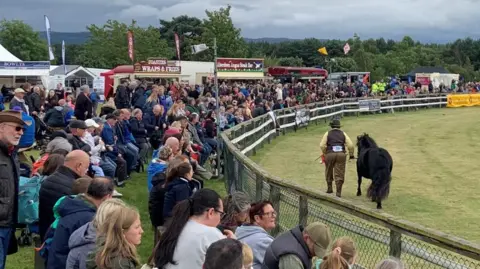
x,y
346,48
199,48
50,51
63,57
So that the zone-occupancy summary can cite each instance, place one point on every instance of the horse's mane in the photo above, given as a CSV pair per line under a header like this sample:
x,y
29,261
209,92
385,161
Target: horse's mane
x,y
365,141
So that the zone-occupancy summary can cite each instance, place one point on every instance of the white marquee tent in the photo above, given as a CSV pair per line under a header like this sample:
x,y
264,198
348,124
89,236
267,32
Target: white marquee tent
x,y
6,56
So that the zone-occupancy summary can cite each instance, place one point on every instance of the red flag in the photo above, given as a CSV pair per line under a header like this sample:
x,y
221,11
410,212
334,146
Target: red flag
x,y
130,45
177,44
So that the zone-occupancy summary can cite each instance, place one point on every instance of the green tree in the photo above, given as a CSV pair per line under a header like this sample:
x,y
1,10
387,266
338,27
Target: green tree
x,y
290,61
22,41
108,45
219,25
189,30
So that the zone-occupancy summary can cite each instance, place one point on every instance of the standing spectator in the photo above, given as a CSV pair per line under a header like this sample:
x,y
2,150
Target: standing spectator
x,y
225,253
35,102
11,129
76,211
117,241
83,104
188,235
82,241
51,101
95,99
60,184
255,234
294,249
122,99
19,100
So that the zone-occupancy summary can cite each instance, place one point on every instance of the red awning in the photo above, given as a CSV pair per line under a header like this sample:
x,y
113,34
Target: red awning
x,y
302,71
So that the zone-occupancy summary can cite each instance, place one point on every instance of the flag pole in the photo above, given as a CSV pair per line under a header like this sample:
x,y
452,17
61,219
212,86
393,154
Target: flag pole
x,y
217,109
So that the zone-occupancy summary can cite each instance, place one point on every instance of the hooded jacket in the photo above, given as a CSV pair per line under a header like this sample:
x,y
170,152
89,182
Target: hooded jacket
x,y
81,242
176,191
74,213
256,238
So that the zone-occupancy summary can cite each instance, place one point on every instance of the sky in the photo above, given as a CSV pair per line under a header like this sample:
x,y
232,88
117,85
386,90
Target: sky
x,y
423,20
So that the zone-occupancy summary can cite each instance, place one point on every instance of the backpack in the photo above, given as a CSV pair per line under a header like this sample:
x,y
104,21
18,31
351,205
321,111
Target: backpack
x,y
28,198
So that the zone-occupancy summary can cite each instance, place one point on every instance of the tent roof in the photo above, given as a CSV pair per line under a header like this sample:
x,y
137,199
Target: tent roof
x,y
6,56
428,70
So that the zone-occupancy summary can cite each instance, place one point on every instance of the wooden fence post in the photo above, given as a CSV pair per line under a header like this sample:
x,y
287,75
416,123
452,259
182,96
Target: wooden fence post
x,y
395,244
303,210
275,199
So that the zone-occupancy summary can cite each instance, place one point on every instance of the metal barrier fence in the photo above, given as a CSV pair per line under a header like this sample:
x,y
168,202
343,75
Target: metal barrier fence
x,y
377,235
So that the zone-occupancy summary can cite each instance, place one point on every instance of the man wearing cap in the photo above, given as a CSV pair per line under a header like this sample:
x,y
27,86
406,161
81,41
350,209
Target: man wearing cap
x,y
295,248
77,129
11,130
333,145
19,100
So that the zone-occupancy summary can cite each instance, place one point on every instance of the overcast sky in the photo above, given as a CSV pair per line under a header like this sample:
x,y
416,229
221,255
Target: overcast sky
x,y
424,20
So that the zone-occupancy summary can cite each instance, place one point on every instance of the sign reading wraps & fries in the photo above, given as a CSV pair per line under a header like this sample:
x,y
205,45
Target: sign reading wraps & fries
x,y
461,100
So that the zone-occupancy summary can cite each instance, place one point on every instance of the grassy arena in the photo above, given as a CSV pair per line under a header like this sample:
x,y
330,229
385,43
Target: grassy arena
x,y
435,180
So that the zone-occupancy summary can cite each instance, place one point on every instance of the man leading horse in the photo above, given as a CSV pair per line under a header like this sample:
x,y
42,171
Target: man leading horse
x,y
333,145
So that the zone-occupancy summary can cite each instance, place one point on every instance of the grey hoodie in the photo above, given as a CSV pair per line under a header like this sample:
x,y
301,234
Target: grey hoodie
x,y
81,242
257,239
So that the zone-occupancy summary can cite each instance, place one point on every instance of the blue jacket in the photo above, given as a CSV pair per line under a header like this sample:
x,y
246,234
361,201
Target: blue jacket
x,y
74,213
81,242
28,137
177,190
153,169
93,97
108,136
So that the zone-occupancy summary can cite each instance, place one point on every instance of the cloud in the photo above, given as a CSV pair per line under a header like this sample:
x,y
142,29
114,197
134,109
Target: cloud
x,y
422,19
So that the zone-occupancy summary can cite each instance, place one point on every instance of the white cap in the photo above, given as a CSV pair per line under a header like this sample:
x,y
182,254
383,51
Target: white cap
x,y
19,90
91,123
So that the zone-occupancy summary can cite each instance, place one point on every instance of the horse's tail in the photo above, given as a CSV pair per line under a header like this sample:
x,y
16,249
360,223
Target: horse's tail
x,y
380,187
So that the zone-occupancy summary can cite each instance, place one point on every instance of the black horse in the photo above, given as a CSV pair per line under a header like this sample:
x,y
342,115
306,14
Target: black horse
x,y
376,164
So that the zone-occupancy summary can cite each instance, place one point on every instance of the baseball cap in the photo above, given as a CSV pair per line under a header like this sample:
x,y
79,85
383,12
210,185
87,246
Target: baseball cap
x,y
19,90
321,237
91,123
77,124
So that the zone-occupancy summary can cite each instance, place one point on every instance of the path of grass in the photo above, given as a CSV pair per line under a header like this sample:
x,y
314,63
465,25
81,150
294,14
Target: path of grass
x,y
136,194
435,180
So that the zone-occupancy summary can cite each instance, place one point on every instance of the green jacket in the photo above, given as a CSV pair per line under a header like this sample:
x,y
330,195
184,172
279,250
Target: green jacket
x,y
117,262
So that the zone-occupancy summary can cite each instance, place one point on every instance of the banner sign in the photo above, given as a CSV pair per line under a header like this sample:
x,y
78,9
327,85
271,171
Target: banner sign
x,y
302,117
155,68
274,119
130,45
461,100
239,65
369,105
25,65
423,80
158,61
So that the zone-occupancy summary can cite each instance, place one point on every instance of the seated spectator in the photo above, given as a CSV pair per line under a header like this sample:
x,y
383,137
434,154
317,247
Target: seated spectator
x,y
190,126
129,150
117,241
154,121
60,184
55,117
188,235
390,263
247,256
255,234
53,162
225,253
82,241
342,256
77,129
140,134
96,148
113,154
156,172
294,249
237,208
177,185
74,213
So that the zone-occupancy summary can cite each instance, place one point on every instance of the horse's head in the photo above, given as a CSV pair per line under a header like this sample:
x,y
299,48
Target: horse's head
x,y
365,141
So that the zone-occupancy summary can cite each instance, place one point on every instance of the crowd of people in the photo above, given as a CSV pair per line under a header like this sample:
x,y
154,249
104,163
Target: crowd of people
x,y
172,129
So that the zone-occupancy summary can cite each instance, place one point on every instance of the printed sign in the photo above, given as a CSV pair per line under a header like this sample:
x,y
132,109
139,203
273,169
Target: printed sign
x,y
302,117
154,68
460,100
158,61
239,65
25,65
369,105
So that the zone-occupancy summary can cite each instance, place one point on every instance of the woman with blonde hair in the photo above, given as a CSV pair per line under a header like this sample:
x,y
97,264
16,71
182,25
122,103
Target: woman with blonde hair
x,y
390,263
82,241
117,241
152,100
342,256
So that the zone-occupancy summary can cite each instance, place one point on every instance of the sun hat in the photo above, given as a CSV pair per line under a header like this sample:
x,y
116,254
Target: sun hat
x,y
13,116
19,90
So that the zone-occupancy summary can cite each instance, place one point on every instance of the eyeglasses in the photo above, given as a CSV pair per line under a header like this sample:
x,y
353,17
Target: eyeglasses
x,y
270,214
17,128
222,214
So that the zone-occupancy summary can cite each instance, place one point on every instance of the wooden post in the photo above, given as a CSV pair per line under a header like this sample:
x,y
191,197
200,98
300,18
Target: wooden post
x,y
395,244
303,210
259,188
275,199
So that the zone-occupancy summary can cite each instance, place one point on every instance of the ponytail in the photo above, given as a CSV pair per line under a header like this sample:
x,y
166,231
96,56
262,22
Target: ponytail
x,y
343,253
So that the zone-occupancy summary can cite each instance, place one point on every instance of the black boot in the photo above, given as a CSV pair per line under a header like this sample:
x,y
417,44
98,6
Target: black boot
x,y
339,185
330,187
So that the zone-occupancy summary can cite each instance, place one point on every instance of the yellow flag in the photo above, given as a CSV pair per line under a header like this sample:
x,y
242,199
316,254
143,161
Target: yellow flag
x,y
323,50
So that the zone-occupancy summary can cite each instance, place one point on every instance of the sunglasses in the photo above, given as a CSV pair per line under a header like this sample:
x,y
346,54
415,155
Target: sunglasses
x,y
17,128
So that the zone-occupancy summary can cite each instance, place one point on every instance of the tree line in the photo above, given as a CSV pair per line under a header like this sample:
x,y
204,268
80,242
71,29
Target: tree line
x,y
107,47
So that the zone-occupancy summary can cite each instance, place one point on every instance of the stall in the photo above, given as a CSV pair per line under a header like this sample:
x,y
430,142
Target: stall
x,y
240,69
289,74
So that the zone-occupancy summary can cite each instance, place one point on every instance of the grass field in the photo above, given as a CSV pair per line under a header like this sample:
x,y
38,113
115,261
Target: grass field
x,y
136,194
435,180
